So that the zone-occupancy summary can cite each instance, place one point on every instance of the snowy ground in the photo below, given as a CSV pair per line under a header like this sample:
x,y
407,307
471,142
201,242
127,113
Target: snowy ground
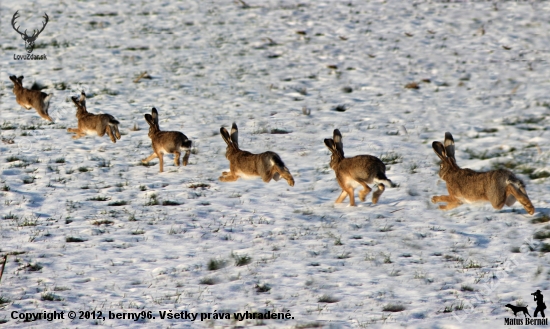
x,y
80,220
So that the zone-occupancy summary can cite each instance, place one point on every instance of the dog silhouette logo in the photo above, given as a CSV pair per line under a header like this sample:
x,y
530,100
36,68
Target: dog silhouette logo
x,y
541,306
29,39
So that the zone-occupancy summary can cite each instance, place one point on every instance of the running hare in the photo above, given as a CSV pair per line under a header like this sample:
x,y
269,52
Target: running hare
x,y
357,171
31,98
166,142
267,165
499,187
93,124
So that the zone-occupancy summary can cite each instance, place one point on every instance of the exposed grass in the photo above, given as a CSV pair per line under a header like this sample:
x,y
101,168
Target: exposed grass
x,y
118,203
391,158
544,218
261,288
33,267
7,126
74,239
279,131
545,247
215,264
99,198
103,222
83,169
49,296
393,308
484,155
153,200
208,281
541,235
466,288
4,300
241,260
29,180
170,203
340,108
12,158
453,258
10,216
471,264
328,299
199,185
539,174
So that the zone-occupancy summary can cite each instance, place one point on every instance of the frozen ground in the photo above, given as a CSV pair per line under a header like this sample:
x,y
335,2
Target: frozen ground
x,y
80,220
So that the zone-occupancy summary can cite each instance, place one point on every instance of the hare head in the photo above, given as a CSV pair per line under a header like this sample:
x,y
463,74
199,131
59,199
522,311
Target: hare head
x,y
153,121
232,140
336,147
446,152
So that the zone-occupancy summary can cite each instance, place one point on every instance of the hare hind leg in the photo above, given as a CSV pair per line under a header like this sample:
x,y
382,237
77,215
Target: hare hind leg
x,y
283,172
376,195
109,131
186,157
521,197
114,129
364,192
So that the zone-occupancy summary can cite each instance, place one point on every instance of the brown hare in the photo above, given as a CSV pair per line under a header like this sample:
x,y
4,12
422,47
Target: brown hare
x,y
357,171
31,98
499,187
267,165
166,142
93,124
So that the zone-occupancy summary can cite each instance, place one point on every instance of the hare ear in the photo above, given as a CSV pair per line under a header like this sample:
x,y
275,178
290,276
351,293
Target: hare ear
x,y
82,99
439,149
155,116
225,136
150,120
20,79
13,79
449,145
337,136
330,145
235,134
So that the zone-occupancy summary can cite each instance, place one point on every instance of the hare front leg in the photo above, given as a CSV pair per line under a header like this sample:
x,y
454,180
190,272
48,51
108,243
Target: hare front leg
x,y
76,131
228,177
341,197
346,191
451,201
177,158
151,157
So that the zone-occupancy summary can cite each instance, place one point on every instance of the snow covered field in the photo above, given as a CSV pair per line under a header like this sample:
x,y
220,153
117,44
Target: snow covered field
x,y
86,227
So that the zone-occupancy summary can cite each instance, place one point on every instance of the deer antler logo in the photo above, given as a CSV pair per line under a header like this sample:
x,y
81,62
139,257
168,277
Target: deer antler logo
x,y
29,40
